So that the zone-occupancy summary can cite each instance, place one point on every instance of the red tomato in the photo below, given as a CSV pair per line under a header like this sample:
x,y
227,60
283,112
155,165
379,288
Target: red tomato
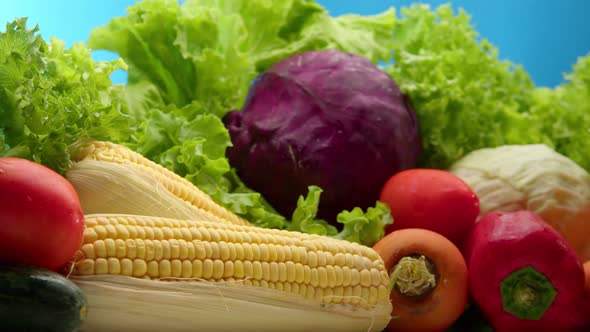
x,y
431,199
41,220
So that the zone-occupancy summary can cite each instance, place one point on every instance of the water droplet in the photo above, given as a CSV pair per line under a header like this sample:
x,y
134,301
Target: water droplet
x,y
29,199
2,171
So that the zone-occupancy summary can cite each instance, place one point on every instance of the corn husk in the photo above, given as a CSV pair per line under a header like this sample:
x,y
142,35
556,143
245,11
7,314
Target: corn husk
x,y
119,303
111,178
105,187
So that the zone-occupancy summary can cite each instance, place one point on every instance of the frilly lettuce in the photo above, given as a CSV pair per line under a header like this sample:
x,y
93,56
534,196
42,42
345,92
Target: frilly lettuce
x,y
464,96
358,226
565,113
51,96
467,99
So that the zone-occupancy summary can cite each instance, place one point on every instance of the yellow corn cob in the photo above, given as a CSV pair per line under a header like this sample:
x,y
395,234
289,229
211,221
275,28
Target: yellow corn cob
x,y
303,272
128,174
150,247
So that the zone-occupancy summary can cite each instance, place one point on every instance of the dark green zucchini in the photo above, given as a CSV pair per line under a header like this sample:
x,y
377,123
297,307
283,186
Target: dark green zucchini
x,y
33,299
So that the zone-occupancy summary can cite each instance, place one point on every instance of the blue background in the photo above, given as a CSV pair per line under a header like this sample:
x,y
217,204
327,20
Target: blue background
x,y
545,36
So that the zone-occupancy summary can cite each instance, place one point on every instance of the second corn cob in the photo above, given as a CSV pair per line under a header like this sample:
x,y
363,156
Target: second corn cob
x,y
110,178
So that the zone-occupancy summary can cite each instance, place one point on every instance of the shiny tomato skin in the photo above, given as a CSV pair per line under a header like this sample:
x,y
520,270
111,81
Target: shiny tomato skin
x,y
432,199
41,220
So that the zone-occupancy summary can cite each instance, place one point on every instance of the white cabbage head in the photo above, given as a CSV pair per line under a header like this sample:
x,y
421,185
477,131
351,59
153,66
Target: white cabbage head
x,y
532,177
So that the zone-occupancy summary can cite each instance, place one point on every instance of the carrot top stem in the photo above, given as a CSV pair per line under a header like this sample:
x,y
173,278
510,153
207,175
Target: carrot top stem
x,y
413,276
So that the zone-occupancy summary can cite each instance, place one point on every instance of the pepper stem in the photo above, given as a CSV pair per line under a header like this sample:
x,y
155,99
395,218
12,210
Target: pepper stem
x,y
413,276
527,293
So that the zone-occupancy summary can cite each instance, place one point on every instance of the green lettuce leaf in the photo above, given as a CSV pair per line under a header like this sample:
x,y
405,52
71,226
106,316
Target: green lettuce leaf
x,y
358,226
188,53
51,96
304,215
464,96
565,113
365,227
194,148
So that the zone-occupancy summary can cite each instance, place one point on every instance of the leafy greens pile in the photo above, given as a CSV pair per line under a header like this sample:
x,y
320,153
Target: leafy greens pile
x,y
189,64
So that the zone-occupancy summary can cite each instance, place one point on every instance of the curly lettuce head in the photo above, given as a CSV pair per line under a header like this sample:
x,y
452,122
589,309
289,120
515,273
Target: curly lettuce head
x,y
51,96
464,96
565,113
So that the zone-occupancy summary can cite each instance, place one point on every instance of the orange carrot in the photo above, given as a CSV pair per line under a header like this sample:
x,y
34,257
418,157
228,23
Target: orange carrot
x,y
429,280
